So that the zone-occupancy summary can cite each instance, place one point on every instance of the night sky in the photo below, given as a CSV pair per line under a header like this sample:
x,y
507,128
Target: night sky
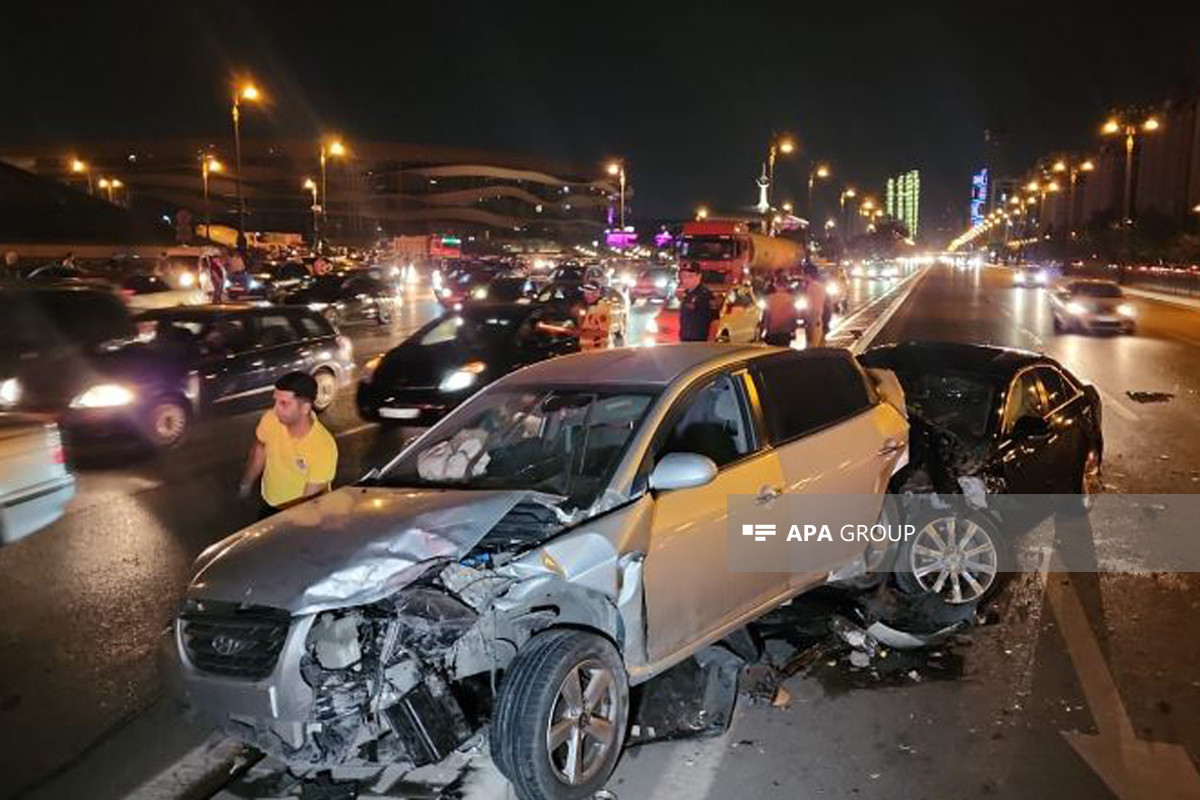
x,y
687,93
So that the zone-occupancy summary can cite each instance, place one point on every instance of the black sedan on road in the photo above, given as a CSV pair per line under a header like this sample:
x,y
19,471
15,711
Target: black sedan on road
x,y
79,356
996,436
345,297
1020,421
446,361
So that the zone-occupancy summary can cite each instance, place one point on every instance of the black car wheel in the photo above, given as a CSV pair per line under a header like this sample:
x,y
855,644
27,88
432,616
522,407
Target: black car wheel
x,y
384,313
326,389
957,553
560,720
167,423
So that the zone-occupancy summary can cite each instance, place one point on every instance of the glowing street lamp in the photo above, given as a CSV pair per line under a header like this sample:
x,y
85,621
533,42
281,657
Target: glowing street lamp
x,y
79,167
702,213
821,171
1131,131
248,93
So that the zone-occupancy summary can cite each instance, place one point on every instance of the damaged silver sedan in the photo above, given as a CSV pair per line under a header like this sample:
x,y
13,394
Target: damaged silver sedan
x,y
557,539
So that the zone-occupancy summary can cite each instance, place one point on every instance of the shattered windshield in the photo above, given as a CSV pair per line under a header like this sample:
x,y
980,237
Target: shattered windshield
x,y
563,442
958,402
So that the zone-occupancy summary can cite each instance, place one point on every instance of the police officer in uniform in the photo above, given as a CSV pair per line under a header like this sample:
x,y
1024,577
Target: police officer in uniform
x,y
696,312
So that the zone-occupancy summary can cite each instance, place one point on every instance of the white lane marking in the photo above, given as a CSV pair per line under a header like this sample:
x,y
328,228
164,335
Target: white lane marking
x,y
356,429
215,754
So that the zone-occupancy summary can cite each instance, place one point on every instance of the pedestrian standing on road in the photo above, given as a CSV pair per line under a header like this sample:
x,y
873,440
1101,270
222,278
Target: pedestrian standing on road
x,y
779,317
293,453
696,313
814,318
594,330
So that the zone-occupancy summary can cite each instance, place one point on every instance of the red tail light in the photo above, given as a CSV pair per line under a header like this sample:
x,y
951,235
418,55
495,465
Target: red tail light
x,y
58,456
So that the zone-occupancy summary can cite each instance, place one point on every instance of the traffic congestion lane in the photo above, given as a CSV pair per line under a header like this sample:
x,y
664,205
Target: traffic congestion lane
x,y
86,598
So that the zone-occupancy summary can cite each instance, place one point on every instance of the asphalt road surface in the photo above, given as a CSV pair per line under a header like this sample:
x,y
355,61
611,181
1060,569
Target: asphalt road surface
x,y
84,601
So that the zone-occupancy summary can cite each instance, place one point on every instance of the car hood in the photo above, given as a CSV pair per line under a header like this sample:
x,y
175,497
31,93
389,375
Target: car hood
x,y
354,546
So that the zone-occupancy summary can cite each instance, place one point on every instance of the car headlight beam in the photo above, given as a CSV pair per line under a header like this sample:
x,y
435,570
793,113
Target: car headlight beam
x,y
104,395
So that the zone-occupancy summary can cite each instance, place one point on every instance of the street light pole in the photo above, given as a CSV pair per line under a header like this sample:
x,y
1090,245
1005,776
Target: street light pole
x,y
818,171
783,145
247,92
208,164
335,148
617,170
311,186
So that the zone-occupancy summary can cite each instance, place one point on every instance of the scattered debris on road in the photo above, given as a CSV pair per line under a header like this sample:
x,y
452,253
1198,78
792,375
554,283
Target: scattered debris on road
x,y
1150,397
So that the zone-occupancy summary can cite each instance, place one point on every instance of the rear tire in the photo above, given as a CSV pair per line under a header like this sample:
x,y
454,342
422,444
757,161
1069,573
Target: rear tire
x,y
565,694
956,553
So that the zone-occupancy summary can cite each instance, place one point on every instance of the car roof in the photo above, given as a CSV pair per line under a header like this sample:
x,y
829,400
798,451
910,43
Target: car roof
x,y
623,366
982,358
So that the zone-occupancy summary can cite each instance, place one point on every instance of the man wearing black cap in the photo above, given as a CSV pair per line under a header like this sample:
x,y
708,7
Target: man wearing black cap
x,y
293,452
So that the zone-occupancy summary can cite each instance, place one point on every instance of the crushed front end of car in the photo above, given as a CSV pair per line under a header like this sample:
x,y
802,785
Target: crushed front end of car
x,y
334,636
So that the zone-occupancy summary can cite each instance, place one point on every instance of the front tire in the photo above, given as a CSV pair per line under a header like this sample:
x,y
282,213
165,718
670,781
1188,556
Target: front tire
x,y
326,390
167,423
560,720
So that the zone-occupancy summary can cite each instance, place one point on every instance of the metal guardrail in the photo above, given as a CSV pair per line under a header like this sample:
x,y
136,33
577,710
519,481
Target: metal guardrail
x,y
1183,281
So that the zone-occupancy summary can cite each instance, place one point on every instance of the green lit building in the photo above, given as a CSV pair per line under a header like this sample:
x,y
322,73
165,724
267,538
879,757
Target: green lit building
x,y
904,200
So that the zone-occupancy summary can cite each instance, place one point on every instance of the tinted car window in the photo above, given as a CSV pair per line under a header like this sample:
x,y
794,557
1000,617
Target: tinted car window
x,y
313,326
713,423
1057,390
1024,399
274,330
803,394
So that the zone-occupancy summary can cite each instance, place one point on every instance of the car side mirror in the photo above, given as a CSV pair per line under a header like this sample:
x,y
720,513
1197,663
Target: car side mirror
x,y
682,471
1030,427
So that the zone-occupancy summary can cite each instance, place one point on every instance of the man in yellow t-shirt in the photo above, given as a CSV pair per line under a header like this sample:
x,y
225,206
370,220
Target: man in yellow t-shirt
x,y
293,452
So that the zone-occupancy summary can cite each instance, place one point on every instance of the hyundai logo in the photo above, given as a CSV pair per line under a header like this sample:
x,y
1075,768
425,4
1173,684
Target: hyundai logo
x,y
228,645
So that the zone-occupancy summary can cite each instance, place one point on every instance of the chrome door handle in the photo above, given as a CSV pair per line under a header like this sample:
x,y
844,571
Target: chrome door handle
x,y
768,493
890,447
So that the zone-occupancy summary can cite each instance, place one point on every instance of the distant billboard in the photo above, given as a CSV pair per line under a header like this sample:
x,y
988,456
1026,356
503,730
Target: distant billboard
x,y
979,196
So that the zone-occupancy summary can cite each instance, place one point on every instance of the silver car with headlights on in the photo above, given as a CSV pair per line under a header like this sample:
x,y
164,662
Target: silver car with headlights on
x,y
555,540
1092,306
